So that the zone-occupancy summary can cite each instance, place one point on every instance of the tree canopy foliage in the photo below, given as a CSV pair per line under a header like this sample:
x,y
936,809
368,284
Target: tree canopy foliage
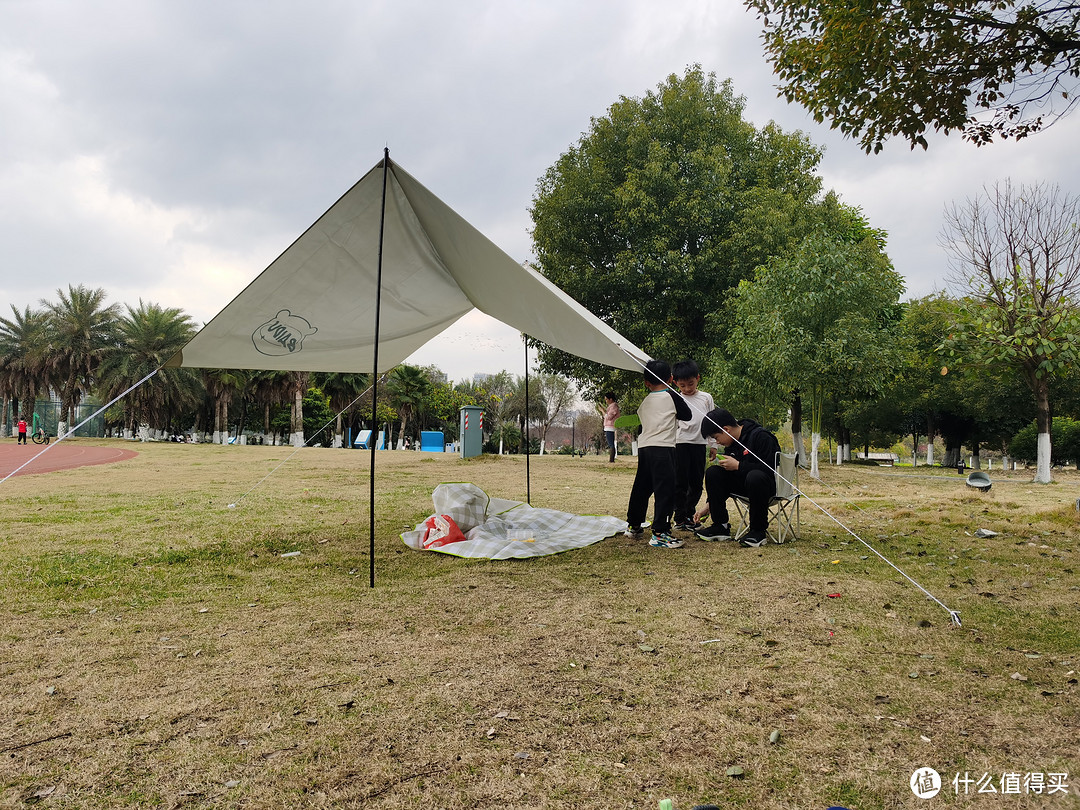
x,y
882,68
821,320
668,201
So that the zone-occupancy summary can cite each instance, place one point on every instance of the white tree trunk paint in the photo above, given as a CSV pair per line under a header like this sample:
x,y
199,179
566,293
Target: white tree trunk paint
x,y
1042,471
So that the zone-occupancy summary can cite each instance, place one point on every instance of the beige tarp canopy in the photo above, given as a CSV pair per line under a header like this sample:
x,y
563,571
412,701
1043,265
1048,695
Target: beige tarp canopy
x,y
313,309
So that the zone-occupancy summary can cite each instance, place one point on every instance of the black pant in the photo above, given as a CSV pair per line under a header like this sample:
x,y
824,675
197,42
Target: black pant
x,y
610,436
689,472
655,477
22,438
757,485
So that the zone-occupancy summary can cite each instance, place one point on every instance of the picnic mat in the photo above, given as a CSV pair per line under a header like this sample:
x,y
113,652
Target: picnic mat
x,y
469,523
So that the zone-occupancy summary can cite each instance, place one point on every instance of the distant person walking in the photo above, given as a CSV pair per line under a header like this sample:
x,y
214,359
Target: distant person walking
x,y
22,431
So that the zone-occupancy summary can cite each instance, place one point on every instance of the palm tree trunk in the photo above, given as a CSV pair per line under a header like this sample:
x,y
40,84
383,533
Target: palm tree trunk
x,y
297,422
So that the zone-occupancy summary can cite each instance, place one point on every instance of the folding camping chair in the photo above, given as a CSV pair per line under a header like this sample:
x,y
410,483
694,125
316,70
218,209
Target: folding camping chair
x,y
784,504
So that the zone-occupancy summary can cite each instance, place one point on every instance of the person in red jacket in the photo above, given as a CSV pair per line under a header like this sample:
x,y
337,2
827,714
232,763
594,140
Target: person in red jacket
x,y
22,431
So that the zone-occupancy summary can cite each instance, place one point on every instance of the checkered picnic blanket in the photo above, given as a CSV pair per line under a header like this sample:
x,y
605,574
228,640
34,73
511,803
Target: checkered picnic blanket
x,y
499,529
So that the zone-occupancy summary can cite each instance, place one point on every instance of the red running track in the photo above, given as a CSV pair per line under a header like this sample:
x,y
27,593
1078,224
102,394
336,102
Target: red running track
x,y
62,456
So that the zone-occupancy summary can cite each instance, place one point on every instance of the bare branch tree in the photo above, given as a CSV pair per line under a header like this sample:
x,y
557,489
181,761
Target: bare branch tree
x,y
1015,263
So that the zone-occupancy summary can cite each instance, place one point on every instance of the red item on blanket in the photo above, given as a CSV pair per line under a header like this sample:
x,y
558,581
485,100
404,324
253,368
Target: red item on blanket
x,y
441,531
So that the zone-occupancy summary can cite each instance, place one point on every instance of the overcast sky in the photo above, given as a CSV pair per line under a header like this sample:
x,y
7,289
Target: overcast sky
x,y
169,151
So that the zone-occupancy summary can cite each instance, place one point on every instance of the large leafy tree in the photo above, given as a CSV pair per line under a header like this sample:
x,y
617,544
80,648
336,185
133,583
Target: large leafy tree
x,y
82,331
820,321
667,202
1016,262
883,68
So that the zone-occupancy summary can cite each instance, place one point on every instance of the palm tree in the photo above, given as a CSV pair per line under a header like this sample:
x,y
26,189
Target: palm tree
x,y
23,349
343,390
149,336
298,385
267,389
408,388
222,384
82,330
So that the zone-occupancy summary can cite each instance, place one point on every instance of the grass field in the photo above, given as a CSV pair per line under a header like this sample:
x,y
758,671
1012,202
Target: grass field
x,y
159,651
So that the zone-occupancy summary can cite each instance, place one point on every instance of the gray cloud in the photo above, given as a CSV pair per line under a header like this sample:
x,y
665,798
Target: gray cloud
x,y
169,151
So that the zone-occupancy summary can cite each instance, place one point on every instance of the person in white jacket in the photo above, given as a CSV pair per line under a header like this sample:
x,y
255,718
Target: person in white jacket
x,y
659,413
690,445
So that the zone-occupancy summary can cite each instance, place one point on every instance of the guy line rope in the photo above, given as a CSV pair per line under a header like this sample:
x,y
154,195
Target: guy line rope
x,y
954,615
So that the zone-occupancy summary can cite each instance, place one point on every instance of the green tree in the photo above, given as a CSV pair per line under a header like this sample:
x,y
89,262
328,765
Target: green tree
x,y
23,359
667,202
148,336
495,394
820,322
82,330
1066,446
444,407
267,390
222,385
1016,260
920,385
317,417
344,390
408,389
526,411
883,68
556,395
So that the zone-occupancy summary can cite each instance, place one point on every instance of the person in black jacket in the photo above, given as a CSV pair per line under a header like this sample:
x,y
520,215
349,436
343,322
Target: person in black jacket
x,y
747,468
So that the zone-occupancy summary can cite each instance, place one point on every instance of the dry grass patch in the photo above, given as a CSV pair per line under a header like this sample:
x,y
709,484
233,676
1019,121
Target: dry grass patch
x,y
160,652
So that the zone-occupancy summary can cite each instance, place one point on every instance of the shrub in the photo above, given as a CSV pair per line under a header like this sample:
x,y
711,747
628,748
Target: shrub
x,y
1064,441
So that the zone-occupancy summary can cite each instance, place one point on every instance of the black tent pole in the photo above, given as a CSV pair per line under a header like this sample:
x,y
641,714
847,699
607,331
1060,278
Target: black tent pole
x,y
374,437
528,479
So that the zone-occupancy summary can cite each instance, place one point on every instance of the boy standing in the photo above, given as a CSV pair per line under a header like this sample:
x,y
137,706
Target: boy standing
x,y
659,413
746,469
690,445
22,431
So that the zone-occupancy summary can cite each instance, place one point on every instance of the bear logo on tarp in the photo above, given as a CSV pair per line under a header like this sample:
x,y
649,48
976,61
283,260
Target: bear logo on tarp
x,y
283,334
